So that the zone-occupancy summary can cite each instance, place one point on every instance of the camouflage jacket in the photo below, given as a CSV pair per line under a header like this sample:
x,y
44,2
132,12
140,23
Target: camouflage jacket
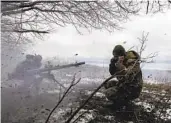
x,y
24,66
130,70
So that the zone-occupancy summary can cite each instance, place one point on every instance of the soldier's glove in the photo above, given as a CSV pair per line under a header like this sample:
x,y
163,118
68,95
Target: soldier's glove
x,y
119,63
114,60
120,66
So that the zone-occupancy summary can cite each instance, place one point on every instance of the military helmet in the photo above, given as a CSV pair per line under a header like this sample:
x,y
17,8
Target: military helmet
x,y
28,56
38,58
119,50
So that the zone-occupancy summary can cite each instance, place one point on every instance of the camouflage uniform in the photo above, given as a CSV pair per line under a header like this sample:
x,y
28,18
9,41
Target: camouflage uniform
x,y
129,86
31,62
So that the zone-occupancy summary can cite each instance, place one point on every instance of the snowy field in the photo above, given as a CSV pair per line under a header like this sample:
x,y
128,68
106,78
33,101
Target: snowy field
x,y
17,106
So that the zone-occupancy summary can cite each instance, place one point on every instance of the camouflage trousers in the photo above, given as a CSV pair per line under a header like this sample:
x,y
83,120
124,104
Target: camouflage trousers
x,y
120,94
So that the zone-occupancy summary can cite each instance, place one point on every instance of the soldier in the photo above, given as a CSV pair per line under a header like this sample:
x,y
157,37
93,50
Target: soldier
x,y
127,68
31,62
20,73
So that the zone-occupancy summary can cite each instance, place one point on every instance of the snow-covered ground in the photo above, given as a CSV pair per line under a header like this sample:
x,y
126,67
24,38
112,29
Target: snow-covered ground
x,y
90,76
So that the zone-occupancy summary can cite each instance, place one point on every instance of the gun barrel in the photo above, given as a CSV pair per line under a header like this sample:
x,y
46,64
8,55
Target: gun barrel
x,y
36,71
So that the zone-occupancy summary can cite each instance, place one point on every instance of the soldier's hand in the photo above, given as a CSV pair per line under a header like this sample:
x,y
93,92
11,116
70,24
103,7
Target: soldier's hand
x,y
114,60
119,66
121,59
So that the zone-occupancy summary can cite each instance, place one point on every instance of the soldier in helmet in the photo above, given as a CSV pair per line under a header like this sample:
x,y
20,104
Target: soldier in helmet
x,y
31,62
20,73
129,81
37,61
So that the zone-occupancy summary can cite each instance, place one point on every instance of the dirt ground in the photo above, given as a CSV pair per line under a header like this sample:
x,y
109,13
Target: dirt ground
x,y
153,106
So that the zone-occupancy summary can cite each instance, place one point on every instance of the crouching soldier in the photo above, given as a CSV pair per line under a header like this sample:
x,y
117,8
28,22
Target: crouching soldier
x,y
129,76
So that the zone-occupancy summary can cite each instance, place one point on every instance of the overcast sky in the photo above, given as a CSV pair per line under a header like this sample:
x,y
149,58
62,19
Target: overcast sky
x,y
65,42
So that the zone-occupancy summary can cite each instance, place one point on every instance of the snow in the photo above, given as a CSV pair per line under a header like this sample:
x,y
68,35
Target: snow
x,y
88,116
66,85
168,113
99,94
130,122
109,117
88,92
59,113
88,80
69,75
148,107
147,91
53,91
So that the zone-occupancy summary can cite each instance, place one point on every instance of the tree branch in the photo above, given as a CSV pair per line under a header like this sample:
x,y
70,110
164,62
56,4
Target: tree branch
x,y
81,14
94,92
16,12
147,7
28,31
64,95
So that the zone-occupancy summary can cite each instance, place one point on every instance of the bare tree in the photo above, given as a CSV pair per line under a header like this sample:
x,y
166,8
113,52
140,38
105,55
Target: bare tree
x,y
30,16
142,47
156,6
73,83
27,15
33,18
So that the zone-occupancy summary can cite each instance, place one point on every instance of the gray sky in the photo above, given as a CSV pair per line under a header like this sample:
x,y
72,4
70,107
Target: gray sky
x,y
65,42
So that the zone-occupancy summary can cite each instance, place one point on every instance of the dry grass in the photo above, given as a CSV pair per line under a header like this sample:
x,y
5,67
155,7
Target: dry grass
x,y
158,87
